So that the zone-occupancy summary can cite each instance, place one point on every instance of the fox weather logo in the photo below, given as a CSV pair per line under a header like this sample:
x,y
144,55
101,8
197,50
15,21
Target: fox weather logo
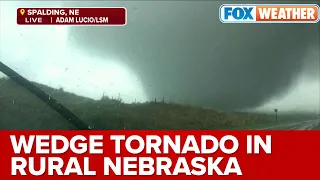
x,y
237,13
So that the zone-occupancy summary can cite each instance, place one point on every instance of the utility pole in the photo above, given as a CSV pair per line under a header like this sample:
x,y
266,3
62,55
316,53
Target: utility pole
x,y
276,111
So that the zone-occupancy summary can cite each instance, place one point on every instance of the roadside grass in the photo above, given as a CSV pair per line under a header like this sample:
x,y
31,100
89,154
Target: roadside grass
x,y
19,109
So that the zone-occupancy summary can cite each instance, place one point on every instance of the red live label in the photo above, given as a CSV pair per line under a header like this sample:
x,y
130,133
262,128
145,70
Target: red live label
x,y
72,16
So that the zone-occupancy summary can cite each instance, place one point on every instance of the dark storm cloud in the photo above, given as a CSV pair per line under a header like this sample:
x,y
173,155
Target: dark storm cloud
x,y
182,52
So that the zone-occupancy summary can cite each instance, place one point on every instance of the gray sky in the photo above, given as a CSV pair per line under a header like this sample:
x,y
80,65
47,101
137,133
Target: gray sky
x,y
176,50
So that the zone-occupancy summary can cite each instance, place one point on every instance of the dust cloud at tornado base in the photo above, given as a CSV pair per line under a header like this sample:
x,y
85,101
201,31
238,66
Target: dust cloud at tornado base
x,y
180,51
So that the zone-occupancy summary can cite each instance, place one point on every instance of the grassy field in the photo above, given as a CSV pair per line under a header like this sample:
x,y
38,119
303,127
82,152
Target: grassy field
x,y
19,109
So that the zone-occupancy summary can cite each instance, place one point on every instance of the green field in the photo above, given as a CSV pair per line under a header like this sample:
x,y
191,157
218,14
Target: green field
x,y
19,109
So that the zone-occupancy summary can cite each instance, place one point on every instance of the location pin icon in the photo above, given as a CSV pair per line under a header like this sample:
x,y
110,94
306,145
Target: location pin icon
x,y
22,11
